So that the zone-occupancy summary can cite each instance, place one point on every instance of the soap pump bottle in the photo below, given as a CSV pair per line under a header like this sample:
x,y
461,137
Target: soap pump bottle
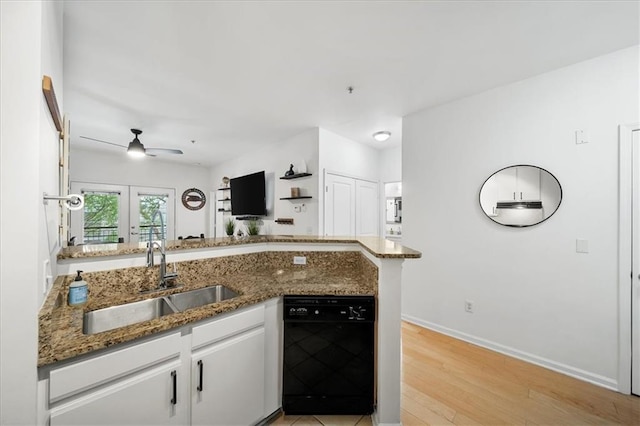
x,y
78,291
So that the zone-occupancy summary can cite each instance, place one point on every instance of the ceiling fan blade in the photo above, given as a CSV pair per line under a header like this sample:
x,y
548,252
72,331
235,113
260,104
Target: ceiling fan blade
x,y
162,151
101,141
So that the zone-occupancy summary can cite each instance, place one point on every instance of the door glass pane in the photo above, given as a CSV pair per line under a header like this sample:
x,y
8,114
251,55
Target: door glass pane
x,y
148,204
100,217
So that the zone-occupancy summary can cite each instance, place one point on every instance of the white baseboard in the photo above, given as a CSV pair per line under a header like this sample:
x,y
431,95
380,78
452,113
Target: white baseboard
x,y
577,373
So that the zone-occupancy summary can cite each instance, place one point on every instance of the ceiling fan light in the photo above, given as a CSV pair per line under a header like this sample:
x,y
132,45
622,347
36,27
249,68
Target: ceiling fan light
x,y
136,149
382,135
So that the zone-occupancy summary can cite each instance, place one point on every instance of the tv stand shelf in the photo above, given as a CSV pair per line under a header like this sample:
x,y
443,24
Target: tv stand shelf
x,y
295,176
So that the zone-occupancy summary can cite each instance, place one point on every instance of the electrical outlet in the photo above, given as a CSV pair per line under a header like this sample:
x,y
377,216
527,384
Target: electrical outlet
x,y
468,306
299,260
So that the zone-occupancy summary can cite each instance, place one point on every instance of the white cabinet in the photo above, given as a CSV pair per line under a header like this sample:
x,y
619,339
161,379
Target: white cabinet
x,y
221,371
138,384
518,184
148,398
228,381
228,369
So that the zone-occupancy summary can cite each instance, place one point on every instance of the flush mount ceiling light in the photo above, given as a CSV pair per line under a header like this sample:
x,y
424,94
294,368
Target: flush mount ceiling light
x,y
382,135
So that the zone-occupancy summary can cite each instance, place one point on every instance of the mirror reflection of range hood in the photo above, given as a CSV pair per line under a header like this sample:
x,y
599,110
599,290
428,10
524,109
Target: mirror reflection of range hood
x,y
519,205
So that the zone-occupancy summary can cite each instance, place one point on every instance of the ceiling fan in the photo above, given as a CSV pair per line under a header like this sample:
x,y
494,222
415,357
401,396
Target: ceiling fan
x,y
136,149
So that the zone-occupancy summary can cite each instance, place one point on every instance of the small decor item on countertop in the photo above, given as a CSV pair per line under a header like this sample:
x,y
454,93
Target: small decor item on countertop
x,y
289,172
78,291
295,192
253,227
230,227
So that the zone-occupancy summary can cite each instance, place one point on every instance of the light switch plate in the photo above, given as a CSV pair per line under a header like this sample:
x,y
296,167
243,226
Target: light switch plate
x,y
582,246
581,137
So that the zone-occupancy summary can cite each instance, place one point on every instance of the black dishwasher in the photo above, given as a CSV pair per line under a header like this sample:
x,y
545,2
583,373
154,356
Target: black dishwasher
x,y
328,355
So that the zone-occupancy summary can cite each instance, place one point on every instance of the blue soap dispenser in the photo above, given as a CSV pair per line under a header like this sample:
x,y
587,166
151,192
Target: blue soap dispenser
x,y
78,291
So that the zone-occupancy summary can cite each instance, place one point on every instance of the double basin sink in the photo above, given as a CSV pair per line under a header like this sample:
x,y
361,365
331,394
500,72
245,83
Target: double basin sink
x,y
145,310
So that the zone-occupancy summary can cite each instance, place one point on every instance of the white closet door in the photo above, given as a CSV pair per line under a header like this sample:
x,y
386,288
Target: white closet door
x,y
340,215
366,208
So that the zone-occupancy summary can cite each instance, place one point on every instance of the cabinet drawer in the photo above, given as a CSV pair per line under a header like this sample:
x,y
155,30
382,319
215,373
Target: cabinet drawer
x,y
221,328
83,375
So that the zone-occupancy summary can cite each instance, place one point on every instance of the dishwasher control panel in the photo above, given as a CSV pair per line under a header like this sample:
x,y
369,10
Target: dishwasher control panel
x,y
329,308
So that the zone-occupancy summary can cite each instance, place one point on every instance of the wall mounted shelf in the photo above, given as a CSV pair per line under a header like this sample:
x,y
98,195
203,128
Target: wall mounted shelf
x,y
284,221
297,198
296,176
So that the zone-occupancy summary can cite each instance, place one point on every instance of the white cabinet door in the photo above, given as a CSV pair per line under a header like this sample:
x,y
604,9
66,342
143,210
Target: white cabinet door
x,y
340,213
147,398
506,183
518,184
228,381
366,208
528,183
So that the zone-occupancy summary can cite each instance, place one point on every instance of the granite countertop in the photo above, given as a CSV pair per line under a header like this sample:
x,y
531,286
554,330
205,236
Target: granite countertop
x,y
378,247
61,336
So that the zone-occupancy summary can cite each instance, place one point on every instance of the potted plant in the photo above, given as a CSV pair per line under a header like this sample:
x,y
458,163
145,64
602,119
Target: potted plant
x,y
253,228
230,227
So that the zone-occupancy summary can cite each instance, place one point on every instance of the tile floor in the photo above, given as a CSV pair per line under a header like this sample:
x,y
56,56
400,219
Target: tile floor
x,y
322,420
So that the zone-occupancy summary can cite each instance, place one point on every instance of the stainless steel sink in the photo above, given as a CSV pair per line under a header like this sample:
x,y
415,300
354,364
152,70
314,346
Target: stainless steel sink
x,y
121,315
200,297
131,313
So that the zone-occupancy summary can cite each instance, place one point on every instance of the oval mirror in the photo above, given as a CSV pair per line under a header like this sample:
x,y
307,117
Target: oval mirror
x,y
520,196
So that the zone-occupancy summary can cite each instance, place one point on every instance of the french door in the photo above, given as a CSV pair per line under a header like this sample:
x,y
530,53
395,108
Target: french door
x,y
121,213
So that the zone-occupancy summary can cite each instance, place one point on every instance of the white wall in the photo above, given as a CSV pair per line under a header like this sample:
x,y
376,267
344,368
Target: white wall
x,y
120,169
534,296
31,45
344,156
390,164
275,159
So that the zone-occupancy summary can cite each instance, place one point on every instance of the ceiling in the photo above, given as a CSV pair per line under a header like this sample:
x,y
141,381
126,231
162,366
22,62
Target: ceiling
x,y
237,76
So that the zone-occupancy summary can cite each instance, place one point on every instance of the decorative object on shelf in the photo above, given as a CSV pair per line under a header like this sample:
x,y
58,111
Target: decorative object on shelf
x,y
290,172
295,192
230,227
193,199
225,183
284,220
253,227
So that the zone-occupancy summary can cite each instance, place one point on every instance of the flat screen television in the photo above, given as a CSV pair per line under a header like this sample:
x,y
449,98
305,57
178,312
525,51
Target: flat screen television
x,y
248,195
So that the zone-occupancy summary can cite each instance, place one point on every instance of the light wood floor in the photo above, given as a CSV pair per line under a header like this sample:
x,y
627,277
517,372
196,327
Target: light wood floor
x,y
447,381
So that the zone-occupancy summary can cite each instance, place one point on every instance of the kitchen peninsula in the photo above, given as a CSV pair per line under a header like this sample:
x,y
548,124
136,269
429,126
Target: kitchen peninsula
x,y
260,269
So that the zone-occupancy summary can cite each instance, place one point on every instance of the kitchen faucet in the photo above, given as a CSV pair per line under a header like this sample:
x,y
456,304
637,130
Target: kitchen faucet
x,y
164,278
